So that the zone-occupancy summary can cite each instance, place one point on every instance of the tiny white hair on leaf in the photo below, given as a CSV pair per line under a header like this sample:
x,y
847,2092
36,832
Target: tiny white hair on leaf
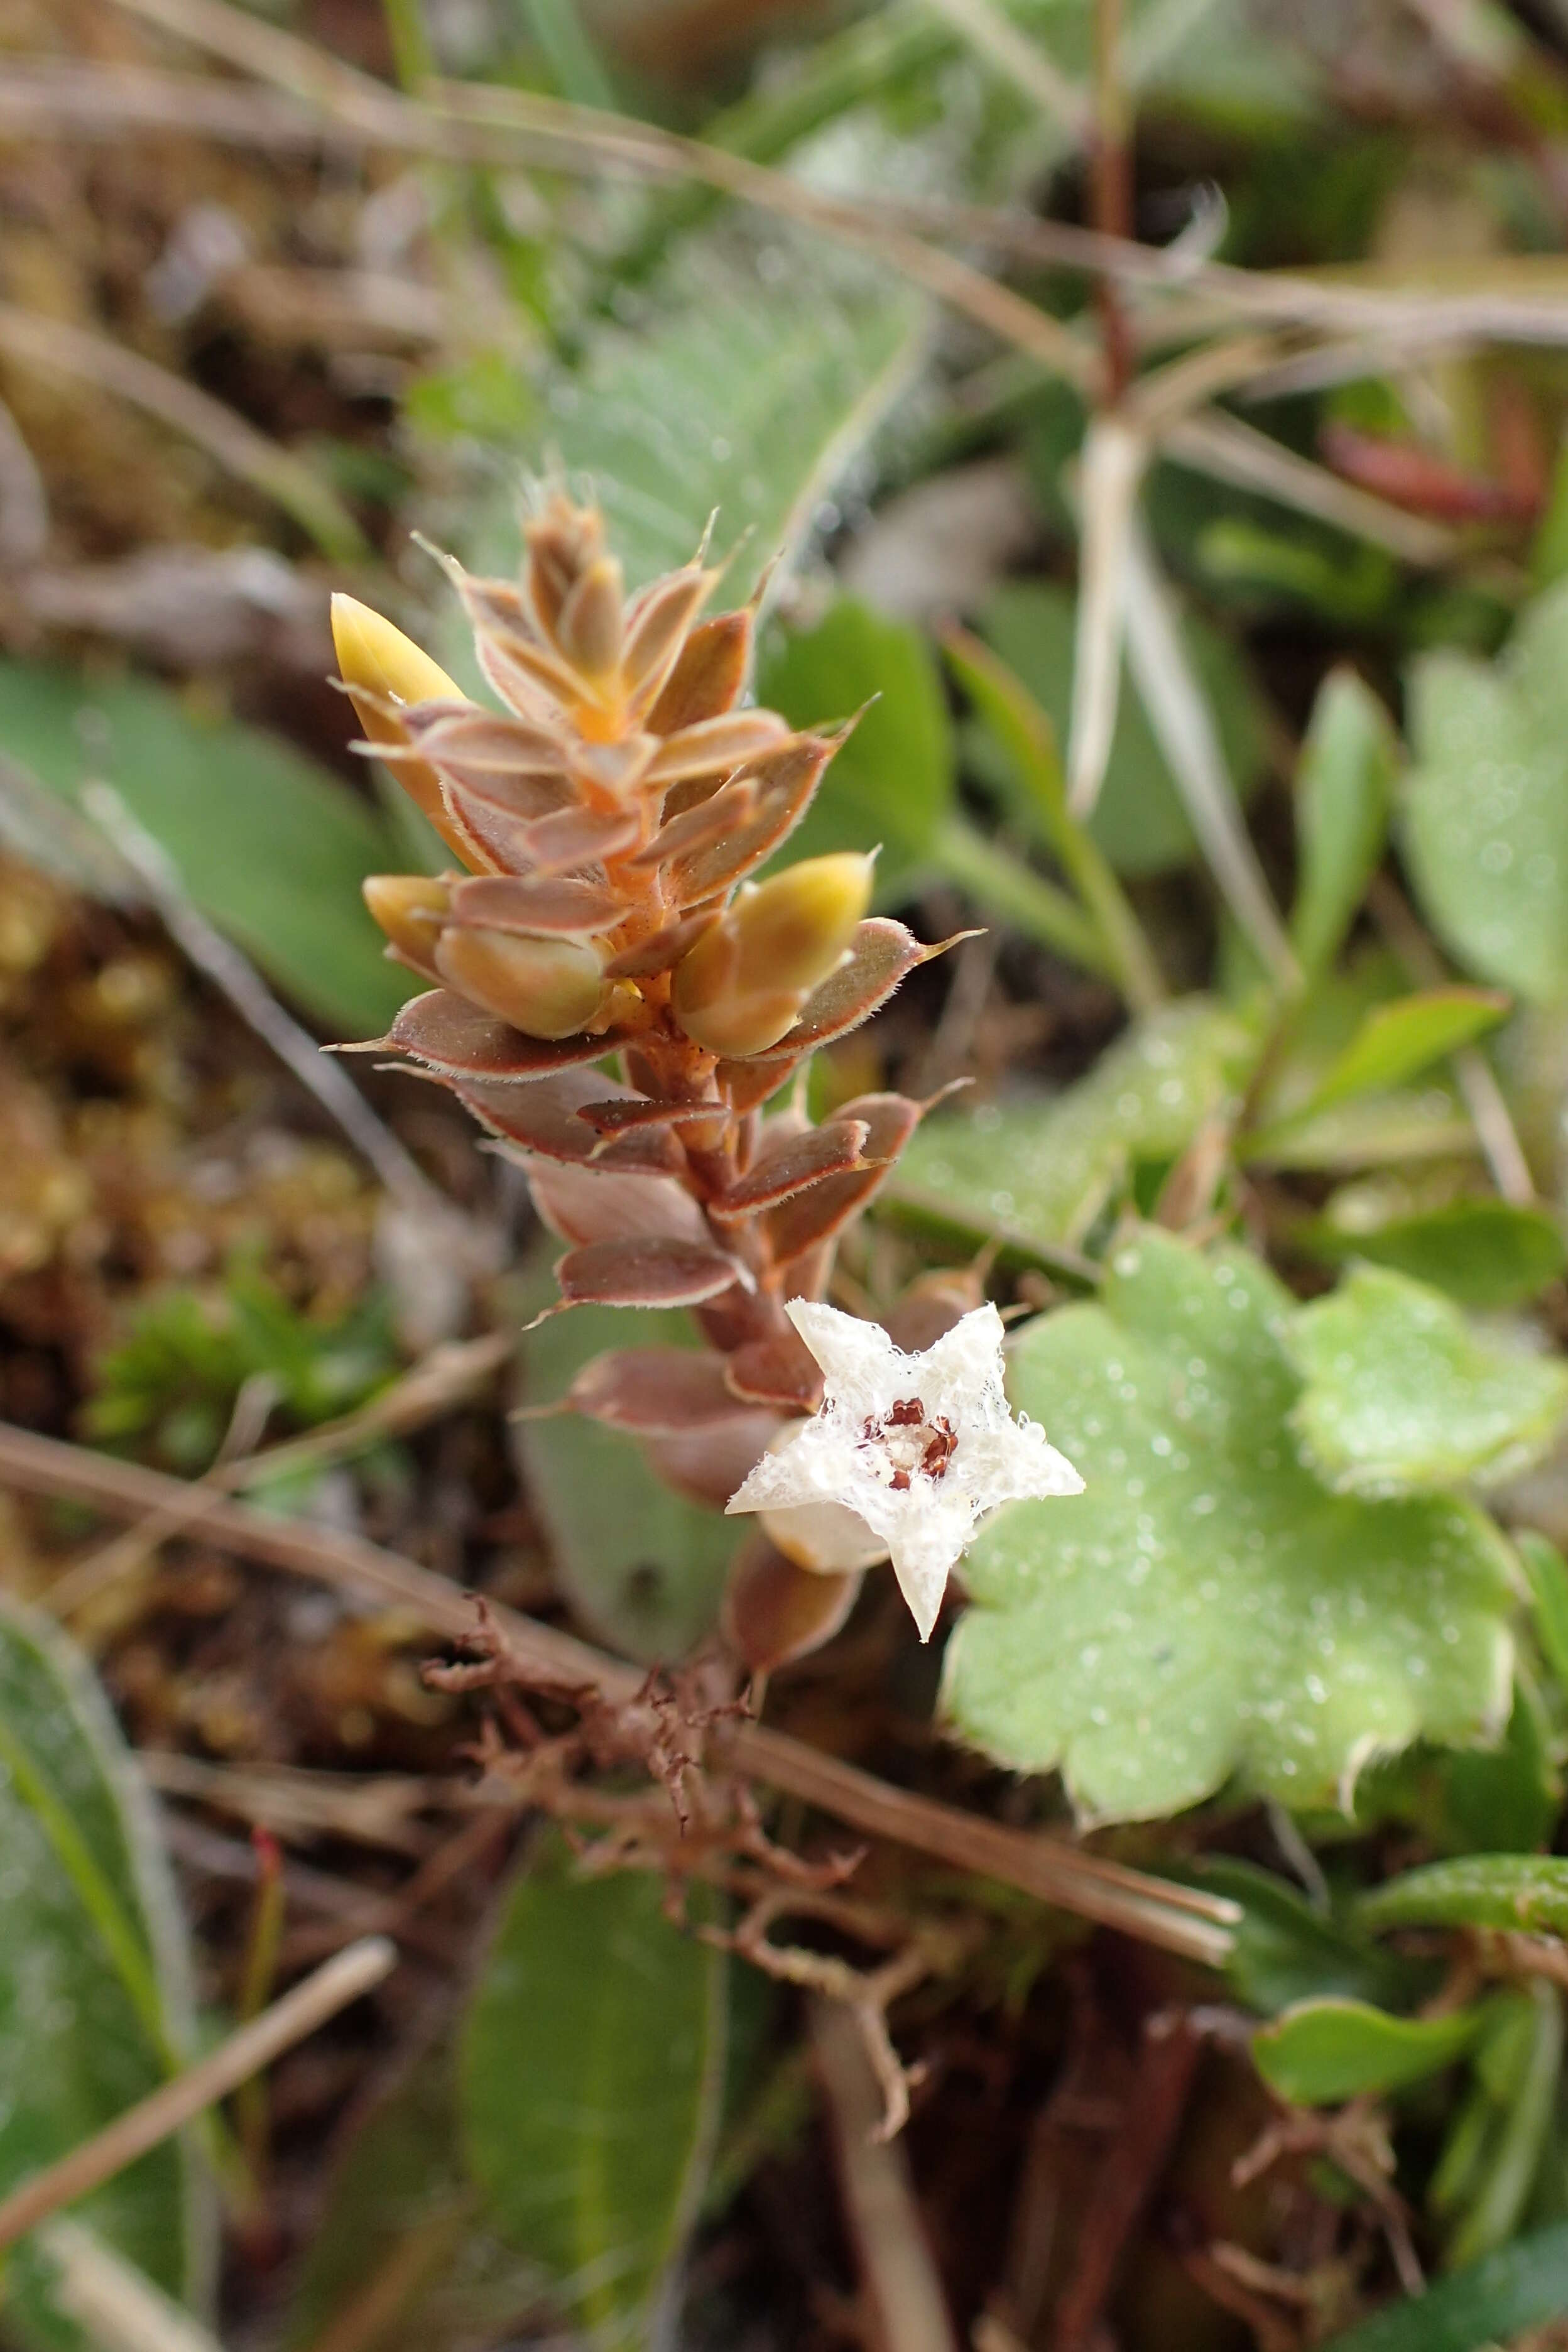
x,y
918,1448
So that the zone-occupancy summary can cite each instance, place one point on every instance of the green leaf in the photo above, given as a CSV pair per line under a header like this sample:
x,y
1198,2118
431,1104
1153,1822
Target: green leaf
x,y
1526,2065
1546,1573
643,1568
591,2082
269,847
1484,1253
1486,819
1283,1951
736,393
1524,1891
1400,1392
892,782
1206,1608
1041,1173
1322,2052
401,2205
1520,2286
1139,821
95,2000
1396,1041
1344,793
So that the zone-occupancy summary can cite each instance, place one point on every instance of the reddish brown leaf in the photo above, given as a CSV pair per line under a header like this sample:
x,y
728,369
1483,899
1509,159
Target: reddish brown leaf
x,y
626,1111
655,625
714,746
775,1611
656,1392
506,902
794,1165
709,1465
812,1216
483,741
747,1084
705,822
708,675
590,1204
881,954
781,1371
930,1307
660,950
543,1119
579,837
642,1273
453,1037
787,779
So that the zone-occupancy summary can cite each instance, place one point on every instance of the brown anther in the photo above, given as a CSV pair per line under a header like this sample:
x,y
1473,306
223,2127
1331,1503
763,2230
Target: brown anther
x,y
907,1414
939,1449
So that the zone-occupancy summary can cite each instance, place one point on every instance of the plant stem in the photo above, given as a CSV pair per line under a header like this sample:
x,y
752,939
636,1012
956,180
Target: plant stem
x,y
413,58
1004,884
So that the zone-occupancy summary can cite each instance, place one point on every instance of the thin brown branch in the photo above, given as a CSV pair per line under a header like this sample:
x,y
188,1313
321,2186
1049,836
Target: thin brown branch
x,y
1178,1918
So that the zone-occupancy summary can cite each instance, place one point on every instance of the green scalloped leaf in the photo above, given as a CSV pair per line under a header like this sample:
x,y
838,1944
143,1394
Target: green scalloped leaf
x,y
1206,1609
1400,1393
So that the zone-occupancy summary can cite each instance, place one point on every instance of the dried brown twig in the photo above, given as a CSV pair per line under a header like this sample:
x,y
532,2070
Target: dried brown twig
x,y
1178,1918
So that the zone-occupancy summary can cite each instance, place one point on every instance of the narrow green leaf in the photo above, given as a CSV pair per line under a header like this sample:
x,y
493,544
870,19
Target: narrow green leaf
x,y
643,1567
1400,1393
1547,1575
1396,1041
95,2001
269,846
400,2204
1205,1611
1514,2155
893,781
1486,815
1283,1951
1028,742
1344,795
1322,2052
1520,2286
1527,1893
1139,821
591,2082
1041,1173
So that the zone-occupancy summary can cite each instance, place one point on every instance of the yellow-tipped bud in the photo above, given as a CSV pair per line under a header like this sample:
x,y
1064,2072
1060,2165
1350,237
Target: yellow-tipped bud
x,y
546,988
411,909
377,659
744,982
372,654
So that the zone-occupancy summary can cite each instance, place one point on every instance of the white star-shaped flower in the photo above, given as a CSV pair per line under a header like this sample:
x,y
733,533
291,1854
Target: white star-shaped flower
x,y
918,1448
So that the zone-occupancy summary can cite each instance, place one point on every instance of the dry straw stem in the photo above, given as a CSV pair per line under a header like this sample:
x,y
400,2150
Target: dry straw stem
x,y
900,2277
1194,1925
116,2305
342,1980
54,347
327,101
